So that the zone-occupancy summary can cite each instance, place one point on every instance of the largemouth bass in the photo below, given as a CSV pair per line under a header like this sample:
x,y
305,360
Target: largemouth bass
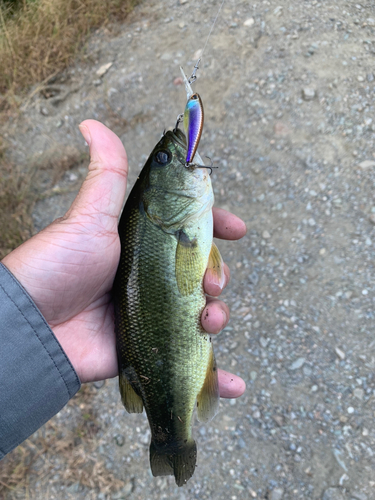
x,y
166,361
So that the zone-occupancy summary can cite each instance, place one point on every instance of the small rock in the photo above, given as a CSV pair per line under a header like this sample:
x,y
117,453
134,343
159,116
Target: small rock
x,y
360,78
311,222
358,393
277,494
308,94
340,353
44,111
358,495
119,439
350,410
339,458
183,2
370,77
253,375
103,69
298,363
249,22
266,235
372,218
366,164
263,342
322,251
332,494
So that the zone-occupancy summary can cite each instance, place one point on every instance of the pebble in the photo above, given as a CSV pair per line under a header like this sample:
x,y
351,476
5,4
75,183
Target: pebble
x,y
263,342
358,393
366,164
249,22
308,94
332,494
311,222
340,353
372,218
119,439
298,363
350,410
277,494
103,69
266,235
44,111
358,495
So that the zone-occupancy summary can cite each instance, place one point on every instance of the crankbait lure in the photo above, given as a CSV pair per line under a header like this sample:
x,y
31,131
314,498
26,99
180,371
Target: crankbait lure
x,y
193,125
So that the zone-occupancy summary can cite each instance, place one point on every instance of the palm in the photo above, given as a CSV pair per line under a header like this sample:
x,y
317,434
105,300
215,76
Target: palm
x,y
76,300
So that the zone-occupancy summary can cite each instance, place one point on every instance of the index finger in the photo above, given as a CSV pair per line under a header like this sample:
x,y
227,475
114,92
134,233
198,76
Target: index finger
x,y
227,226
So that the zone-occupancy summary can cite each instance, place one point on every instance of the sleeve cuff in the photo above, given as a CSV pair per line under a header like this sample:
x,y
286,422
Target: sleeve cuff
x,y
36,377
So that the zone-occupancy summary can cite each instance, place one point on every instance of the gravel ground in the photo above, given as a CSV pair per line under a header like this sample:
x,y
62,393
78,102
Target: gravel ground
x,y
289,91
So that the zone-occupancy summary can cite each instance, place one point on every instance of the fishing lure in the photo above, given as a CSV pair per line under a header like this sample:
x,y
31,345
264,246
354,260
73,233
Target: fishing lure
x,y
193,125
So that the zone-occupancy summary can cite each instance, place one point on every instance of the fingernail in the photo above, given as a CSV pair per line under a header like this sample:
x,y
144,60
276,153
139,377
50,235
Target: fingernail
x,y
86,133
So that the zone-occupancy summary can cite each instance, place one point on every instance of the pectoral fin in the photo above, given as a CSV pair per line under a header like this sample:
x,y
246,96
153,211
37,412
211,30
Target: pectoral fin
x,y
208,398
132,402
189,264
215,267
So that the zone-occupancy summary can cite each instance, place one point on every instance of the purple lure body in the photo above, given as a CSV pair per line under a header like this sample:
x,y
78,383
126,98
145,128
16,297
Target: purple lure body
x,y
193,125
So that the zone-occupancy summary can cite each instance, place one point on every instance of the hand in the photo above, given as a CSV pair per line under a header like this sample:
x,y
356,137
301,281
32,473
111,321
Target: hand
x,y
69,267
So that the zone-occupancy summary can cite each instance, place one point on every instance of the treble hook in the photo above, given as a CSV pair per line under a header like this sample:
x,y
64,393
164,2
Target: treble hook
x,y
210,167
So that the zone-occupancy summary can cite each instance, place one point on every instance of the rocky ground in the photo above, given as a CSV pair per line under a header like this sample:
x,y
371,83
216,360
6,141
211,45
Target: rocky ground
x,y
289,95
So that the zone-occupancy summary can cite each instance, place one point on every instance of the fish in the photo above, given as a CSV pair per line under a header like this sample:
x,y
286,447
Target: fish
x,y
165,358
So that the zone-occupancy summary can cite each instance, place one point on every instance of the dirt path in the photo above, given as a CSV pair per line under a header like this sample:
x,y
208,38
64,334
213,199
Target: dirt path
x,y
289,91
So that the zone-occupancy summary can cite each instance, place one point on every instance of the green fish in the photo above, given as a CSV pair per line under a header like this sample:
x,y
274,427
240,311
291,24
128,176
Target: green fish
x,y
166,362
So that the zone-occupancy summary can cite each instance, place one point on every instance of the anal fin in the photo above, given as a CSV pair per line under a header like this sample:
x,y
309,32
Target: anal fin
x,y
215,267
132,402
208,398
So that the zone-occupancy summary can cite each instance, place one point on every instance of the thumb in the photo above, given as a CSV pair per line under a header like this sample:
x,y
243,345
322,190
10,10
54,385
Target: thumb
x,y
102,193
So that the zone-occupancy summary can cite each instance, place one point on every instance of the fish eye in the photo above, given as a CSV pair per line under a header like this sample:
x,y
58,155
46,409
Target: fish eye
x,y
194,96
162,157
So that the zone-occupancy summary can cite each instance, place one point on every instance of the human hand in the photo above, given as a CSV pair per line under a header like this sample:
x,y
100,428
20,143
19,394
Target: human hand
x,y
68,268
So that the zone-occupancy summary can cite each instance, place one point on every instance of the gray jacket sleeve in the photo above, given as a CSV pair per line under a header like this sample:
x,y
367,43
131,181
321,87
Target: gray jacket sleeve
x,y
36,377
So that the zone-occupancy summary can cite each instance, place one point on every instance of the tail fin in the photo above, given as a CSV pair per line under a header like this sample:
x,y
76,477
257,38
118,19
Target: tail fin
x,y
176,459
